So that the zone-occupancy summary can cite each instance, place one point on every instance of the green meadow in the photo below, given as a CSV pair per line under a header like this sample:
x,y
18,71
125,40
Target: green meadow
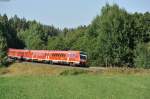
x,y
75,87
69,85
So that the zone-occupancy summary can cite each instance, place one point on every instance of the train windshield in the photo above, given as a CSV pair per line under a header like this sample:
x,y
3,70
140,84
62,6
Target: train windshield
x,y
83,56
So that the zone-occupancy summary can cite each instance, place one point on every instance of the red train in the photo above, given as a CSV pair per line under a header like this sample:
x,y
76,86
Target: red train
x,y
48,56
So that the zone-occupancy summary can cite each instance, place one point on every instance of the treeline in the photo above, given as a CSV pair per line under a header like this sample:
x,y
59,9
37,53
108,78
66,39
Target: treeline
x,y
114,38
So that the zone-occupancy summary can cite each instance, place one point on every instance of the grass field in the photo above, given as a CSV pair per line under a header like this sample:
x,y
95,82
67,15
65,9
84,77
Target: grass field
x,y
81,86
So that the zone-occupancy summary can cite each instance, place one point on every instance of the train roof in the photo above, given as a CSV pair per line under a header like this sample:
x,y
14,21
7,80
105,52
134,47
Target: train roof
x,y
54,51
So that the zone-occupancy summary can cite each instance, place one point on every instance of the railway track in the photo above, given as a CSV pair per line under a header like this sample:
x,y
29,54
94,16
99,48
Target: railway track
x,y
65,66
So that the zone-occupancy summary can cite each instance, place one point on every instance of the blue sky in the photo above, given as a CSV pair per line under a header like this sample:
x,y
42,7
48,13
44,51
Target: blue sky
x,y
66,13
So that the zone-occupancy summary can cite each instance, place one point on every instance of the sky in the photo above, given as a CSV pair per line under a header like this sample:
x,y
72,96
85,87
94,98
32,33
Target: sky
x,y
66,13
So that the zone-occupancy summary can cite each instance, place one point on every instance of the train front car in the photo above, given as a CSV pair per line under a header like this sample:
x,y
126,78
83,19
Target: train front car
x,y
77,58
83,59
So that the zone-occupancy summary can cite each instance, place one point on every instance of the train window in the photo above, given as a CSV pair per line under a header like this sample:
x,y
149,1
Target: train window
x,y
63,55
53,55
60,55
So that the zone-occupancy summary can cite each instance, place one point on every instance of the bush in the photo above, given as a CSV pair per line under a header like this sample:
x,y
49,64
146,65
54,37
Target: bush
x,y
3,59
4,62
73,72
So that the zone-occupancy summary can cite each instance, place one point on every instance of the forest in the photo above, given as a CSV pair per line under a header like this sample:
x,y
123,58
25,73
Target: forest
x,y
114,38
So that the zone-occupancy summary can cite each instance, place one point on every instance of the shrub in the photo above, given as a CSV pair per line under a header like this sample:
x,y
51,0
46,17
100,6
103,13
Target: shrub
x,y
73,72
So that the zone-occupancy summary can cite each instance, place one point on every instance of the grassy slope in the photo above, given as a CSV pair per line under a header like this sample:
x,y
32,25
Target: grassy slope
x,y
83,86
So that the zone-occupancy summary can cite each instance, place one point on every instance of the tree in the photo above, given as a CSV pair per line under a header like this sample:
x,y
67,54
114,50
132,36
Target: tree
x,y
114,38
142,53
3,47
